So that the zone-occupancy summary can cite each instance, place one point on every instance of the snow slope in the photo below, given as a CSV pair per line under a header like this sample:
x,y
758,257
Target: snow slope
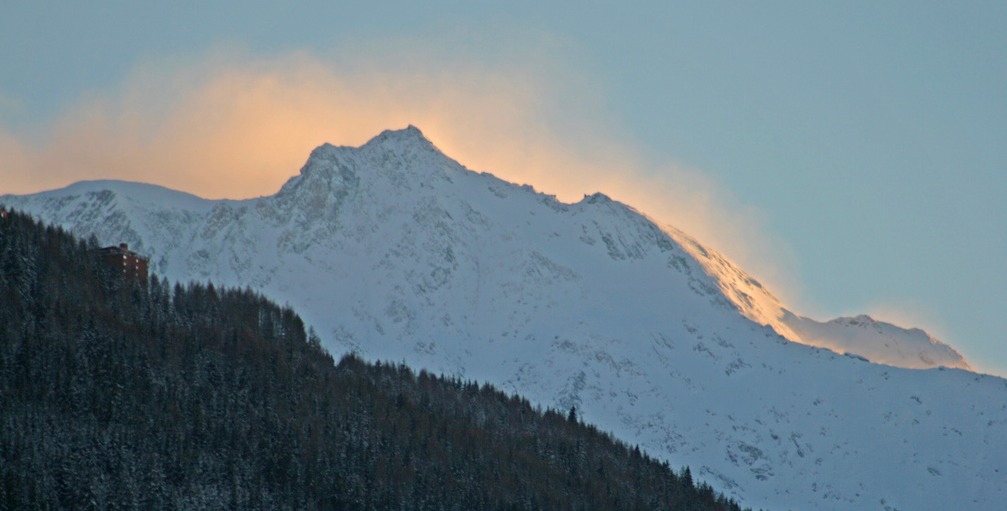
x,y
863,336
397,252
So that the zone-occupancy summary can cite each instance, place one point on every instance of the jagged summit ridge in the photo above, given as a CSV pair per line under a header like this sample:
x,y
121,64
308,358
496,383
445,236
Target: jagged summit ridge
x,y
396,154
402,254
405,161
410,135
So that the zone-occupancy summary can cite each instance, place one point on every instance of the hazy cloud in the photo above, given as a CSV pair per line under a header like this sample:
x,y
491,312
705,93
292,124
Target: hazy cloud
x,y
230,125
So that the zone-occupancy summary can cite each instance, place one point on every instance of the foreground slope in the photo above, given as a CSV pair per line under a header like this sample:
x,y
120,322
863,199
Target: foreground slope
x,y
396,252
116,395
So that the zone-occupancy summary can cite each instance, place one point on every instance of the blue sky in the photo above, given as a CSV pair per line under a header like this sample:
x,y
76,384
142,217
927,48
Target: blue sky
x,y
852,154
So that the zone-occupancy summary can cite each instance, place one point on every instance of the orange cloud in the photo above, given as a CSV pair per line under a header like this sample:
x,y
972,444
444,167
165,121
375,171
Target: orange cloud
x,y
230,126
239,129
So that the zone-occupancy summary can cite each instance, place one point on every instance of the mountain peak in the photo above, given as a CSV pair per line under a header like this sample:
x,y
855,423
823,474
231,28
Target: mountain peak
x,y
410,136
597,198
406,138
396,158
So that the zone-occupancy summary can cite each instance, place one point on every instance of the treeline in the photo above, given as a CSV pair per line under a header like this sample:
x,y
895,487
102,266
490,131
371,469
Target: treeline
x,y
124,395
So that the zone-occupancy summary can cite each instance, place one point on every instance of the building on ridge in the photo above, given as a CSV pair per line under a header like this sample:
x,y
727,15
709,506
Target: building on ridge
x,y
120,257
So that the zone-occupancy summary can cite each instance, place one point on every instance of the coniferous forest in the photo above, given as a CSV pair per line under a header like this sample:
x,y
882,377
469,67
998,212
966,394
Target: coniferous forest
x,y
116,394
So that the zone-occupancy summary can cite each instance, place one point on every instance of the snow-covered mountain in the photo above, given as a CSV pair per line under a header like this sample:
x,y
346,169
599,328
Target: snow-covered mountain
x,y
397,252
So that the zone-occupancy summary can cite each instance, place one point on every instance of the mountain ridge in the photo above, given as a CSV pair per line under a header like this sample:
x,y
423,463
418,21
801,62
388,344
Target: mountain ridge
x,y
751,297
588,304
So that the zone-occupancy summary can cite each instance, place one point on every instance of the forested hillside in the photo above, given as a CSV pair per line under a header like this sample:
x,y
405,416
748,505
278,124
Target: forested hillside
x,y
122,395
